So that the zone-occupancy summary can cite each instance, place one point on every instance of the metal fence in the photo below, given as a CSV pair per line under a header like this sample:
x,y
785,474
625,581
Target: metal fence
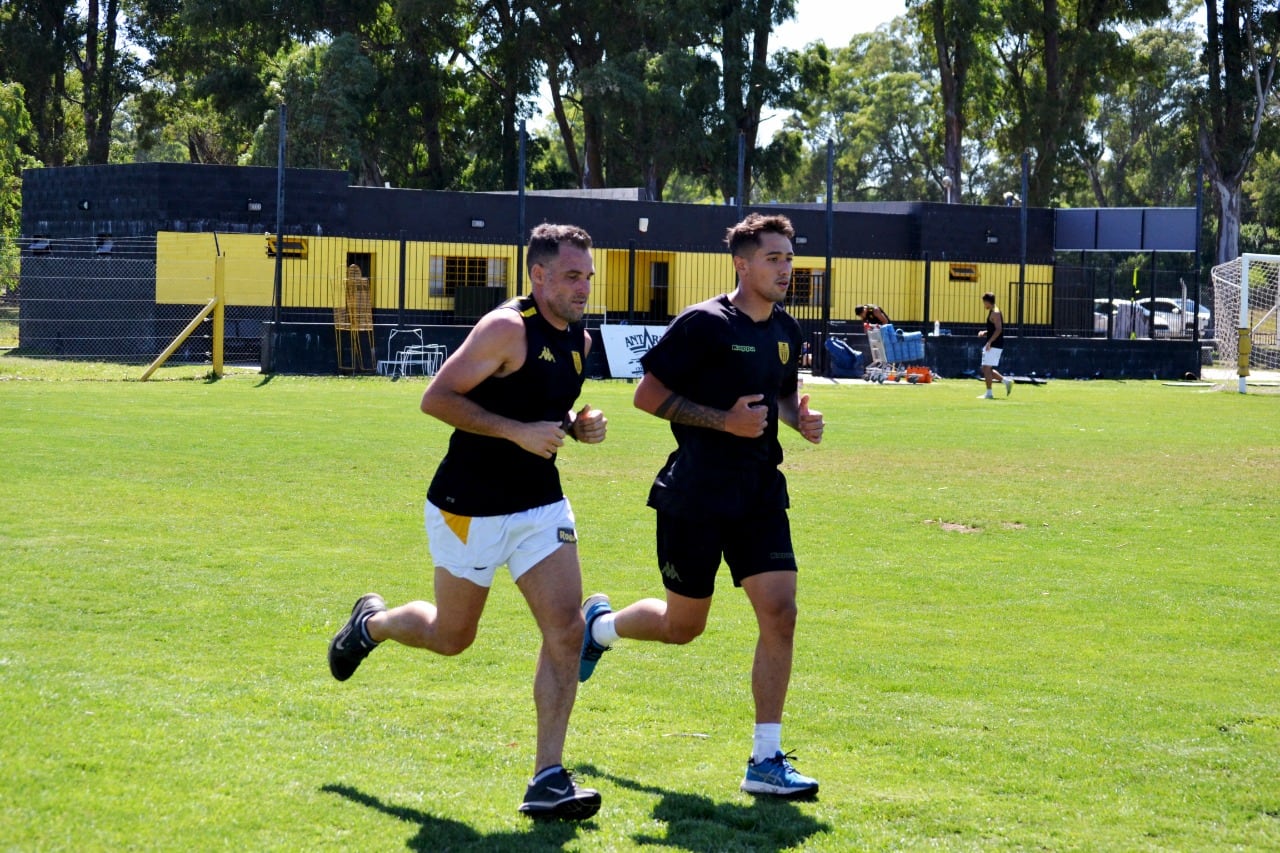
x,y
128,299
96,300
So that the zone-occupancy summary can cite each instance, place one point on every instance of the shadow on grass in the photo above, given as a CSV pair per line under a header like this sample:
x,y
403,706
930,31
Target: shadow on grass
x,y
698,823
441,833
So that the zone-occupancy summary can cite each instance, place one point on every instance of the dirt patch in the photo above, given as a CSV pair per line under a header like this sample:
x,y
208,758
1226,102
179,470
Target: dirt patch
x,y
953,527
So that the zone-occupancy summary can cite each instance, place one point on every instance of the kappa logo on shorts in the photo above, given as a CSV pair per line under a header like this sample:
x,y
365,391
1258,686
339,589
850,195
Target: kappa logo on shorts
x,y
567,535
669,572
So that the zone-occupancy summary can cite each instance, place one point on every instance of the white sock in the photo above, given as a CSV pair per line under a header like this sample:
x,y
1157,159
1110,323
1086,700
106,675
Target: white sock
x,y
767,742
602,630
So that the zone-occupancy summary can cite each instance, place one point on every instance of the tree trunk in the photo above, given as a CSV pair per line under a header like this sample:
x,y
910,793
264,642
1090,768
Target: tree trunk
x,y
98,72
1229,199
1236,102
951,83
593,145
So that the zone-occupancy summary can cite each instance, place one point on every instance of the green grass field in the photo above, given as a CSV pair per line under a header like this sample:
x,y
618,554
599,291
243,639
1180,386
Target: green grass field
x,y
1045,622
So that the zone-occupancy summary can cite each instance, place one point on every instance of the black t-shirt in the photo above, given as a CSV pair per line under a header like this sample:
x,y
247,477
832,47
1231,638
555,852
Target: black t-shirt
x,y
481,475
712,354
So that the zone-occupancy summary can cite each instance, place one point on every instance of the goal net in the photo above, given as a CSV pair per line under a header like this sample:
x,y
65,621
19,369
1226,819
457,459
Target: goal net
x,y
1252,279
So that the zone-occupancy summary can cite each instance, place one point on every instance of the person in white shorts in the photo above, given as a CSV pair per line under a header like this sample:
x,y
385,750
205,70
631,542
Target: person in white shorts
x,y
509,393
994,346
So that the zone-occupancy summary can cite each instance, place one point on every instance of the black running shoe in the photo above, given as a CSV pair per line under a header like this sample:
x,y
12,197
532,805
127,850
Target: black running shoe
x,y
348,647
558,797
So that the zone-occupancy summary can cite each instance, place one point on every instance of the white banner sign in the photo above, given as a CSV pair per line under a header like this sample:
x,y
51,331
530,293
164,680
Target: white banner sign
x,y
624,345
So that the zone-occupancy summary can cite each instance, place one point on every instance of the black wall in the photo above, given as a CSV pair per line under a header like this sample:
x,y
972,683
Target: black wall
x,y
954,356
138,200
311,348
141,199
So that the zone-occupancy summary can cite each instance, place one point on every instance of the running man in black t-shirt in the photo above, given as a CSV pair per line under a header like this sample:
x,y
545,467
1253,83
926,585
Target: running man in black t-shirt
x,y
725,375
508,392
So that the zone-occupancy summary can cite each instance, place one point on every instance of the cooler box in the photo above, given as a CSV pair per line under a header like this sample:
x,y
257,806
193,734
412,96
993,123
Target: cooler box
x,y
901,346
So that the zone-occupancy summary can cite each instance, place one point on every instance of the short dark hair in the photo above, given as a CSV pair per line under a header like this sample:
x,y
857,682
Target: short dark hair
x,y
545,240
859,311
746,234
989,297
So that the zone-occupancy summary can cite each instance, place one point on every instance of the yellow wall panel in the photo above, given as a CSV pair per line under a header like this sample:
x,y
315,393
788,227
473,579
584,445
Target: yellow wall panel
x,y
185,263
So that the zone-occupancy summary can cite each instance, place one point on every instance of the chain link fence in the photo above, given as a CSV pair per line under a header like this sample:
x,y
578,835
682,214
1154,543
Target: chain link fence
x,y
94,299
100,298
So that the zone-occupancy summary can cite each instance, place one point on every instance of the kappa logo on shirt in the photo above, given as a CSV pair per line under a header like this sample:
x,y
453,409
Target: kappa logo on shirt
x,y
742,348
547,355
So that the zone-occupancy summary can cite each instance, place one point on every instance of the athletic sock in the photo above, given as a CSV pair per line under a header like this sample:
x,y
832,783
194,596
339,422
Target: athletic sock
x,y
603,631
767,742
545,772
364,632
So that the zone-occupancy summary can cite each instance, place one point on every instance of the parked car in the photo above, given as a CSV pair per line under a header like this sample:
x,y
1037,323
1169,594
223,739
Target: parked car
x,y
1120,316
1203,315
1174,317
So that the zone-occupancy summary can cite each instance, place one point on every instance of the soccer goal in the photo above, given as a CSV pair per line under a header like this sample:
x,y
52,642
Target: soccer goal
x,y
1246,295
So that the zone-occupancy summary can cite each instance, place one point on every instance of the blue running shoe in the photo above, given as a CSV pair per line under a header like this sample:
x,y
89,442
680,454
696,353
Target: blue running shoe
x,y
349,646
558,797
592,609
776,776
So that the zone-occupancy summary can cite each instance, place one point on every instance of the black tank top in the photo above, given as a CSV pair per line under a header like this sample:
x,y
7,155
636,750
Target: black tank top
x,y
996,340
481,475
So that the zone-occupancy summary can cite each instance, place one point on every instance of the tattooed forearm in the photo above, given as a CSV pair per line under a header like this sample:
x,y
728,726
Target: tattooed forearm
x,y
679,410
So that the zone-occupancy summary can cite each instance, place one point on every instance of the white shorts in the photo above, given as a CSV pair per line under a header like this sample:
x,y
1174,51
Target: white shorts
x,y
991,357
473,548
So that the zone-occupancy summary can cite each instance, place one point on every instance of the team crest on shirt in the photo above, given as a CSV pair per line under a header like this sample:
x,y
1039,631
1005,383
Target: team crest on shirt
x,y
577,361
784,351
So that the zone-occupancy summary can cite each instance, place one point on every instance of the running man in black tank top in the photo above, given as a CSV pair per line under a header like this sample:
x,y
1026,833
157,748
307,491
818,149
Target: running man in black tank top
x,y
725,375
994,347
509,393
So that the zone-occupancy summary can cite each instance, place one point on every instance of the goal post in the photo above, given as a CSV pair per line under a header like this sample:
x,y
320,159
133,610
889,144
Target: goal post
x,y
1246,291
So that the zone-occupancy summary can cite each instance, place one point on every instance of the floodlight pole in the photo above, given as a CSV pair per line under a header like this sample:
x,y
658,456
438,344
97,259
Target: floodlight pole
x,y
520,212
742,170
278,289
831,234
1022,259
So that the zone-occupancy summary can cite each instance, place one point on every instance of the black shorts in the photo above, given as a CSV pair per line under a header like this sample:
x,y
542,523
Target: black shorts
x,y
689,550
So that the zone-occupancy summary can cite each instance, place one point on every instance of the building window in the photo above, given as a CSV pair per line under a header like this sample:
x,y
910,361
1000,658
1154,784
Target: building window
x,y
806,286
448,273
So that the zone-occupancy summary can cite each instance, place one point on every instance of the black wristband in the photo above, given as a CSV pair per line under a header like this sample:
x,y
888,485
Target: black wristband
x,y
566,426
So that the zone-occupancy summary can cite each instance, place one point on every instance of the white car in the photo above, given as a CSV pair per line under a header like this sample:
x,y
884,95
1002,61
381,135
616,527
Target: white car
x,y
1173,317
1121,315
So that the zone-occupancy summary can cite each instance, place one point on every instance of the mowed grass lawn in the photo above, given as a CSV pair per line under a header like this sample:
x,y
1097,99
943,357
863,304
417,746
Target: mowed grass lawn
x,y
1044,622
